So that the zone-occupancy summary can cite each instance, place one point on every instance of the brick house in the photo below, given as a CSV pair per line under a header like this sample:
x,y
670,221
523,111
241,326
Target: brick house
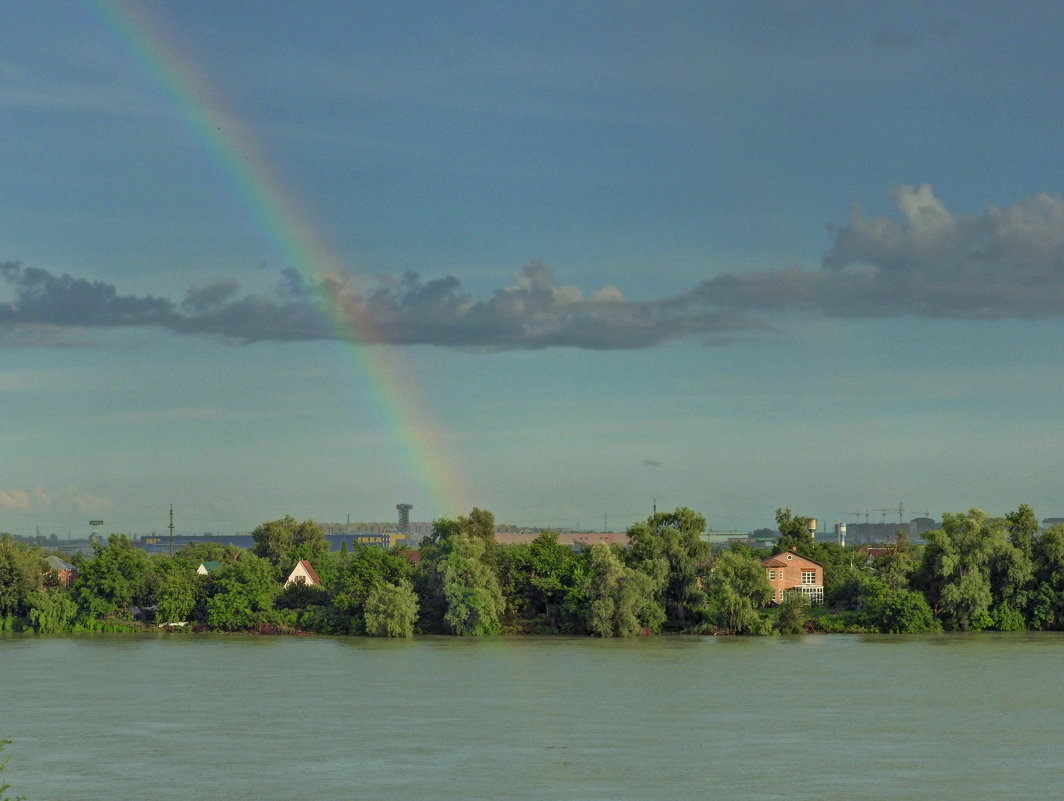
x,y
64,572
789,570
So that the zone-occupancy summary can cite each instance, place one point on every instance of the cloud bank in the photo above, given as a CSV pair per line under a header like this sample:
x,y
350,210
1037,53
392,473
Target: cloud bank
x,y
1005,263
69,499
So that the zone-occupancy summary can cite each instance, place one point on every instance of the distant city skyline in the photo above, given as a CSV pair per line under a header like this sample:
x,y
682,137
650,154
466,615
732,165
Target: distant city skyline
x,y
561,262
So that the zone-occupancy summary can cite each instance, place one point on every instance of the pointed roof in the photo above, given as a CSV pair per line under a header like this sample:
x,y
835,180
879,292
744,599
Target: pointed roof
x,y
55,563
773,561
308,568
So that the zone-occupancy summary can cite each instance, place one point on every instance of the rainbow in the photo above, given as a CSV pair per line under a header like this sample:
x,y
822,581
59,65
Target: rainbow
x,y
273,205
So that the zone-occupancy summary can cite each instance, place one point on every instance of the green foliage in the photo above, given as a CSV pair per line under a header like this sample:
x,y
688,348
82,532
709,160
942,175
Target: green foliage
x,y
51,611
954,573
4,786
894,610
793,613
673,539
22,570
737,589
363,569
117,577
244,594
390,610
285,542
470,588
541,581
794,532
621,601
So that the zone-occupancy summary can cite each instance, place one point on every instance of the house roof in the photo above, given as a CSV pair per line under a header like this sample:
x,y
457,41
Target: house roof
x,y
55,563
309,568
210,567
765,562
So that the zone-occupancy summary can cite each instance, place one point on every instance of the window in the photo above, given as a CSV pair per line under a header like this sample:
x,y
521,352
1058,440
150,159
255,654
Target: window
x,y
771,574
808,577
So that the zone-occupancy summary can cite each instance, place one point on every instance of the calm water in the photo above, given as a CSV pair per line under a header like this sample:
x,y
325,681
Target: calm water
x,y
128,718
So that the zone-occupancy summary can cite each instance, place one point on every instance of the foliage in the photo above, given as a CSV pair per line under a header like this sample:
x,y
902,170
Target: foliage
x,y
21,573
958,563
356,576
621,601
675,539
284,542
470,588
793,613
542,581
794,532
51,611
117,577
894,610
737,589
4,786
390,610
244,593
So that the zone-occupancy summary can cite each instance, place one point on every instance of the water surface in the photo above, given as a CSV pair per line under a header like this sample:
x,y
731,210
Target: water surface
x,y
129,718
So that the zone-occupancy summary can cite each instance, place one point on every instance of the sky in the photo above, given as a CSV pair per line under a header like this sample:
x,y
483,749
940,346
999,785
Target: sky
x,y
565,262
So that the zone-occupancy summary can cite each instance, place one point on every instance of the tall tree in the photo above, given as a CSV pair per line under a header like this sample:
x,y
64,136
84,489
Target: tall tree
x,y
737,590
954,573
674,538
470,588
621,601
244,594
390,610
794,532
117,577
365,568
284,542
21,573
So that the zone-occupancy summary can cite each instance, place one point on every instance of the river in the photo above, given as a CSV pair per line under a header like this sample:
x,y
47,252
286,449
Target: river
x,y
242,718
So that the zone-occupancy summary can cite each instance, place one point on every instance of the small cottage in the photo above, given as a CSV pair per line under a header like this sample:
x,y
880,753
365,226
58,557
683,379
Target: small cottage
x,y
303,573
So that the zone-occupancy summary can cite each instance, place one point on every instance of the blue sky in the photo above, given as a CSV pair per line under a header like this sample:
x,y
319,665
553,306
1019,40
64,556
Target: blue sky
x,y
732,256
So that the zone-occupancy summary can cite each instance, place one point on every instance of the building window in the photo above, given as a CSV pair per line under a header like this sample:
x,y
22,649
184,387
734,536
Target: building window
x,y
771,575
808,577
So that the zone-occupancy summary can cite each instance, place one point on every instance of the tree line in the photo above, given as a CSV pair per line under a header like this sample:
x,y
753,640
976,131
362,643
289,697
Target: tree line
x,y
973,573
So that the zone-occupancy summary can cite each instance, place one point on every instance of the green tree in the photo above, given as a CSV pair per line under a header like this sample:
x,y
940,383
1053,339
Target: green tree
x,y
674,538
1047,602
621,601
22,570
737,590
390,610
284,542
895,610
177,594
954,573
364,569
794,532
541,581
244,594
793,613
117,577
51,611
470,588
1022,526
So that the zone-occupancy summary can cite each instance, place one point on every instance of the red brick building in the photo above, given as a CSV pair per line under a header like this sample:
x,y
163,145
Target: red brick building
x,y
789,570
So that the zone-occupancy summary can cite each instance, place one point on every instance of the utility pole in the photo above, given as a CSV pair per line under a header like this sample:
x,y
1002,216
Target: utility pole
x,y
171,529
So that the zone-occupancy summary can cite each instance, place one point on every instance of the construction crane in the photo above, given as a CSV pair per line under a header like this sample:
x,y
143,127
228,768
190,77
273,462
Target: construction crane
x,y
856,514
899,509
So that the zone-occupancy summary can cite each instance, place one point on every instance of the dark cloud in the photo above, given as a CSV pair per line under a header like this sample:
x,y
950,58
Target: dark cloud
x,y
1005,263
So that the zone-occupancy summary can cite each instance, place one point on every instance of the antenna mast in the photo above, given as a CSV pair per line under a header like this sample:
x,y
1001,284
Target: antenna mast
x,y
171,529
